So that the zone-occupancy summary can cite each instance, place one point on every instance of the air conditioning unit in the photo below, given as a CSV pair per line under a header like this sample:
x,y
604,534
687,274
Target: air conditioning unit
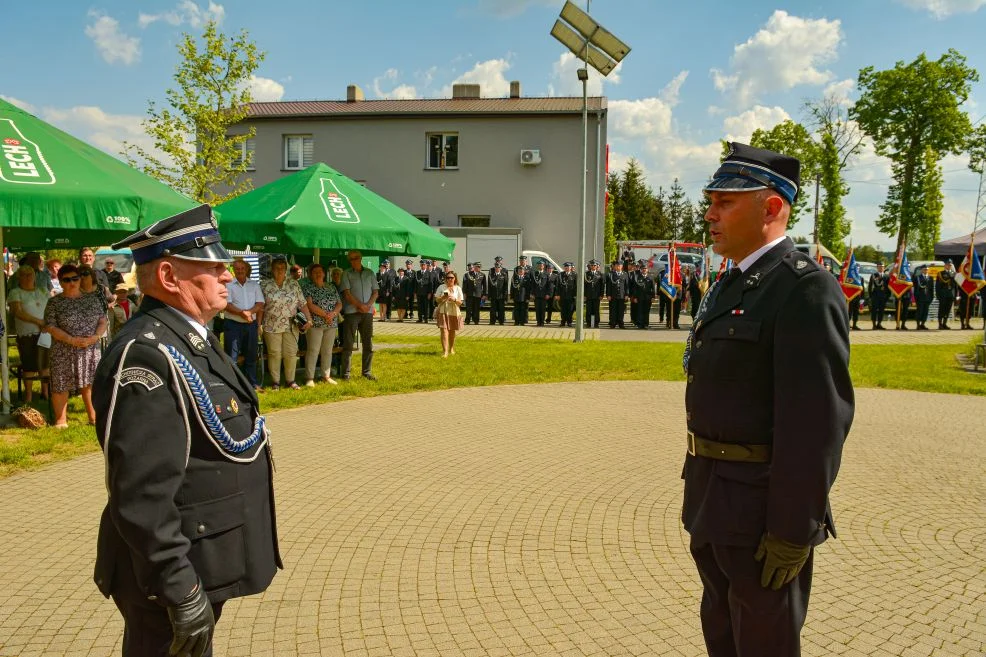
x,y
530,156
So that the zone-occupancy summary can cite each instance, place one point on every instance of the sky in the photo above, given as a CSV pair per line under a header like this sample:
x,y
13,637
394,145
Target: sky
x,y
697,72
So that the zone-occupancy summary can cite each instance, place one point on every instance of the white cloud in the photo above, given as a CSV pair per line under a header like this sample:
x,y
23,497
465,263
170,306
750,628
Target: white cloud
x,y
112,43
944,8
265,89
740,128
489,75
565,81
17,102
97,127
785,53
398,91
841,91
187,12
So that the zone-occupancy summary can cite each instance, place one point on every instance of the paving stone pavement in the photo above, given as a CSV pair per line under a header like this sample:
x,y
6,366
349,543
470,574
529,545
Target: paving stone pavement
x,y
522,530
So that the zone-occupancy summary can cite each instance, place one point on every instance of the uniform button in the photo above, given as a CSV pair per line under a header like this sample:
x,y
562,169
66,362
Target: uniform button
x,y
201,528
698,345
688,416
691,377
732,331
152,597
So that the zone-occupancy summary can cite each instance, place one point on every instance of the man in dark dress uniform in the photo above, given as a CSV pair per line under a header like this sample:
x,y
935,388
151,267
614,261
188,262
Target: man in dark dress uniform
x,y
189,521
630,269
945,293
616,294
423,291
879,293
923,294
386,281
645,289
520,291
409,275
694,293
477,292
553,284
499,285
769,403
542,291
565,293
594,288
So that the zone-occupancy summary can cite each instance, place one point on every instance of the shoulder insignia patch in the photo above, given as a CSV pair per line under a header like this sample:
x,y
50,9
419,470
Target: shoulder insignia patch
x,y
141,375
196,341
801,264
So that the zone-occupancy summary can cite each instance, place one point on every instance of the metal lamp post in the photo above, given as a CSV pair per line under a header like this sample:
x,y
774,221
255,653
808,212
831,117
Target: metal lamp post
x,y
599,48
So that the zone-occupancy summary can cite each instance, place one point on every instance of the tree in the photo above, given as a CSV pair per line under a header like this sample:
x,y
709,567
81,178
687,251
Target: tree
x,y
638,212
929,211
906,111
679,212
867,253
609,234
199,155
701,225
830,116
833,227
793,139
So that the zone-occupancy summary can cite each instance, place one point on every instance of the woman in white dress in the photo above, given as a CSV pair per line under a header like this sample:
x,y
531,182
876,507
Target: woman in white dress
x,y
448,311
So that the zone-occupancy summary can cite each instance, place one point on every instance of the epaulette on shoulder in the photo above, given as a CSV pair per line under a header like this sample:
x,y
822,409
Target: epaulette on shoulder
x,y
801,263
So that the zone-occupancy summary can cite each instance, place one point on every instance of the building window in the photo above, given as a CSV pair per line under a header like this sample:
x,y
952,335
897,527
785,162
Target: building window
x,y
246,152
298,151
423,218
474,220
443,150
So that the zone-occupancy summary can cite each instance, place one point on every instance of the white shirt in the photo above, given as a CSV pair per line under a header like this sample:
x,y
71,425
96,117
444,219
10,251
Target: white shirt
x,y
455,292
201,330
748,261
243,297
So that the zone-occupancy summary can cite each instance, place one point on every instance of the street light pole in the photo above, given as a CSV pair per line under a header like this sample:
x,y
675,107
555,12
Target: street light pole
x,y
580,261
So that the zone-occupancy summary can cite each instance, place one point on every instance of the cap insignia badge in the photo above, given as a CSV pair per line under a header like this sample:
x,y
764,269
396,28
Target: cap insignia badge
x,y
196,341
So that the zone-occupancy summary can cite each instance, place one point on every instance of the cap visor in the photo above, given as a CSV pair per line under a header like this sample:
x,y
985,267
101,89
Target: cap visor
x,y
733,184
209,253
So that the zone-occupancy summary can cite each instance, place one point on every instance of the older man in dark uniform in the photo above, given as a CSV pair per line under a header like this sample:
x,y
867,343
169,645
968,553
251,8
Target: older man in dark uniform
x,y
520,291
769,403
879,292
189,522
594,287
499,283
945,293
565,292
475,290
924,292
617,284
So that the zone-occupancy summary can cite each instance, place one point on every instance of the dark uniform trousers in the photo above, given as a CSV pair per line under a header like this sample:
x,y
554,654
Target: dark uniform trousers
x,y
422,290
945,292
854,310
616,288
769,348
181,508
593,287
520,287
878,297
499,284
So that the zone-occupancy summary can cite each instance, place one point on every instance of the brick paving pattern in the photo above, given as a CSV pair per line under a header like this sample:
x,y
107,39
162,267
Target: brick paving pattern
x,y
544,523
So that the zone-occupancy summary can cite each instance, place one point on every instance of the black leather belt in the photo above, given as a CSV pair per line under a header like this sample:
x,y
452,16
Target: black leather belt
x,y
698,446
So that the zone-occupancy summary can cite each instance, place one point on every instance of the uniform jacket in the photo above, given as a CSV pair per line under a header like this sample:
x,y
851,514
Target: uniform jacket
x,y
386,281
945,285
769,363
878,286
498,284
474,284
595,284
616,284
520,284
644,287
422,283
566,285
404,287
180,507
923,290
541,284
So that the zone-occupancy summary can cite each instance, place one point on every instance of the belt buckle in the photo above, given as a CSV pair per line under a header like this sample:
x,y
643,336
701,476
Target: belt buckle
x,y
690,442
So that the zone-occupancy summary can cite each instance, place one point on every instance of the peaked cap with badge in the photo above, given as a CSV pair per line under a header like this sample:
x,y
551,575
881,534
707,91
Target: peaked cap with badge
x,y
188,462
769,403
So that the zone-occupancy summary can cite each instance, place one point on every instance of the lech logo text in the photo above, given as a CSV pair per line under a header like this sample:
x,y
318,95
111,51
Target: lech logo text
x,y
21,161
337,205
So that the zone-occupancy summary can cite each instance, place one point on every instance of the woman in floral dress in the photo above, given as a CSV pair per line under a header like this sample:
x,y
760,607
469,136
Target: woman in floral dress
x,y
283,299
76,321
324,304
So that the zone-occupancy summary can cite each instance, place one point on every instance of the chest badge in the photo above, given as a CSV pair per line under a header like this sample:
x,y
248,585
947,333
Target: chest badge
x,y
196,341
150,336
801,264
737,311
233,405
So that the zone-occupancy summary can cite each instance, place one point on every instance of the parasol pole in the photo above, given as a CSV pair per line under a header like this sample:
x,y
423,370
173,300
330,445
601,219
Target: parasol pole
x,y
4,356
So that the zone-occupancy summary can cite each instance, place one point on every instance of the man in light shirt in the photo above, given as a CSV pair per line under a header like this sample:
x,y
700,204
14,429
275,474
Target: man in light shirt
x,y
359,290
245,300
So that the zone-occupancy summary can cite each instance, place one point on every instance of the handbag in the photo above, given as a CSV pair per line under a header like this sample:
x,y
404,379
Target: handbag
x,y
299,320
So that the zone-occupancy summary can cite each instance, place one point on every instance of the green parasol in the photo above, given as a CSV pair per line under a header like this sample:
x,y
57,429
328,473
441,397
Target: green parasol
x,y
319,208
57,191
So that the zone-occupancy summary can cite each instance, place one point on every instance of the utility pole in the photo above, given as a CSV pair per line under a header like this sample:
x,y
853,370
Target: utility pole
x,y
818,182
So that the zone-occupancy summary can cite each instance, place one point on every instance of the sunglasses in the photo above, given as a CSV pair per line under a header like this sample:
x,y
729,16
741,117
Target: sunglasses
x,y
450,278
70,279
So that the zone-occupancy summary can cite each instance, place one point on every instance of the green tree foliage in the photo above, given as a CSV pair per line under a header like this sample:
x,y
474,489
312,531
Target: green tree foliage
x,y
609,234
701,225
929,210
638,213
868,253
212,95
907,110
833,226
793,139
680,214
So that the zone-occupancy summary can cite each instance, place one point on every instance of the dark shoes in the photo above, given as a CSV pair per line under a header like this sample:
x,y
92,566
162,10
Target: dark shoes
x,y
369,377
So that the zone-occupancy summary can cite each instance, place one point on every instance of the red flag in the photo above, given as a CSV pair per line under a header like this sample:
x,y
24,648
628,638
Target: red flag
x,y
900,278
970,274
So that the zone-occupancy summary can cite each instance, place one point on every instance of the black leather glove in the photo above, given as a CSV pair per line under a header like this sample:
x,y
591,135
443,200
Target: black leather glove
x,y
782,561
193,623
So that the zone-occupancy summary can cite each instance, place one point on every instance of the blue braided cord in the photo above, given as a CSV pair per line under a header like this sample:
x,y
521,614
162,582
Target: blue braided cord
x,y
208,412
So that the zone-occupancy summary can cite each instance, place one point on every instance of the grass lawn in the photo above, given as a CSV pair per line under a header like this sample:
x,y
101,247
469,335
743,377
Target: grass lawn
x,y
488,362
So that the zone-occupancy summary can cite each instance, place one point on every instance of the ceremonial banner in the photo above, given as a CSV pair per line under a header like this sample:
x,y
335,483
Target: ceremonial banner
x,y
671,280
849,279
900,279
970,274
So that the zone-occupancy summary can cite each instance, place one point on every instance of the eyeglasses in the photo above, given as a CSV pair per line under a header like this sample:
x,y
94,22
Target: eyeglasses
x,y
450,278
69,279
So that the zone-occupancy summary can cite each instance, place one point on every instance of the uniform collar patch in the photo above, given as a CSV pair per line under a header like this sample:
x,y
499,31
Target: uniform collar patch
x,y
196,341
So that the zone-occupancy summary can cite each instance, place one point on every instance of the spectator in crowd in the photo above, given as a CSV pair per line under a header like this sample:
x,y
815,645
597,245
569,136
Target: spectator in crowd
x,y
87,257
336,274
245,301
42,281
27,305
324,305
77,322
283,300
113,277
89,284
448,311
297,273
53,265
122,309
403,290
359,292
